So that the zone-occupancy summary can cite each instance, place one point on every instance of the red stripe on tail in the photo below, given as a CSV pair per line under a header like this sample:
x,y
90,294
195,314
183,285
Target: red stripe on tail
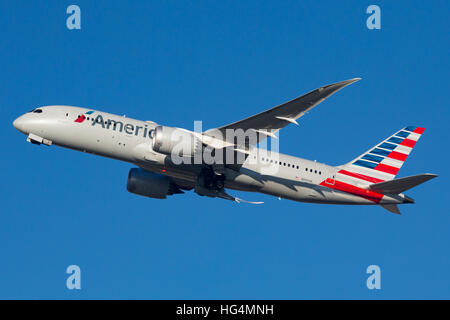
x,y
408,143
386,168
397,156
360,176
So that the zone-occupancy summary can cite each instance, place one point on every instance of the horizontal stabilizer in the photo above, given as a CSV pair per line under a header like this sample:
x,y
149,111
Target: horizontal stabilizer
x,y
397,186
391,208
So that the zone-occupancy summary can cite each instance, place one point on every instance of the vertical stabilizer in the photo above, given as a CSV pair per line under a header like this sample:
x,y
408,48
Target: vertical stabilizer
x,y
382,162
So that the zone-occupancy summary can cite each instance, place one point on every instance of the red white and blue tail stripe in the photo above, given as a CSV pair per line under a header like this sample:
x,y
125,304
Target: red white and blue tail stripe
x,y
382,162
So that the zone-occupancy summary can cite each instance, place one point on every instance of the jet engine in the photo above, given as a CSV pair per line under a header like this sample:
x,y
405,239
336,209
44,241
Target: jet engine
x,y
149,184
174,141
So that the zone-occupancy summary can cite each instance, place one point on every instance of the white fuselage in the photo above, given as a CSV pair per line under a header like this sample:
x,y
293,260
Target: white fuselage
x,y
130,140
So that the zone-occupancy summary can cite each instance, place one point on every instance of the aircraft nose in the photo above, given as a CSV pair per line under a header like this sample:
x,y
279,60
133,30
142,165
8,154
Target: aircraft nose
x,y
19,124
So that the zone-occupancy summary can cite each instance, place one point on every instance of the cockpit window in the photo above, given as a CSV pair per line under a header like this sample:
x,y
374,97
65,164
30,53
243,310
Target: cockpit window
x,y
37,111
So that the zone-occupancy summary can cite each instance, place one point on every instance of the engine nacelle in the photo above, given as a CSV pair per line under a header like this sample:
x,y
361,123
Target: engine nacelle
x,y
149,184
174,141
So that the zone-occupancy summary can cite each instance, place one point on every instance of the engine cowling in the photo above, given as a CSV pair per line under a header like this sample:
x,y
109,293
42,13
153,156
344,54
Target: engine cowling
x,y
174,141
149,184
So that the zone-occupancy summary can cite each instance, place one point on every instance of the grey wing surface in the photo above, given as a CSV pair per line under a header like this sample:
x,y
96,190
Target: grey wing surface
x,y
270,121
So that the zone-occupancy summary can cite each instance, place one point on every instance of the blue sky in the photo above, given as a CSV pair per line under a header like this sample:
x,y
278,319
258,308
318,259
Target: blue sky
x,y
179,61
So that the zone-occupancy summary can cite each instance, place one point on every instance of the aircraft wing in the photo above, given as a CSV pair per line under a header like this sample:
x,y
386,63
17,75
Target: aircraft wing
x,y
270,121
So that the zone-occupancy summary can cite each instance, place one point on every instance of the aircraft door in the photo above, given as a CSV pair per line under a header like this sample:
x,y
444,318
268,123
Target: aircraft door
x,y
331,176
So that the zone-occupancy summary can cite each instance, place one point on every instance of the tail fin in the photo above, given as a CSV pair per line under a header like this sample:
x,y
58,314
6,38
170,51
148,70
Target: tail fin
x,y
382,162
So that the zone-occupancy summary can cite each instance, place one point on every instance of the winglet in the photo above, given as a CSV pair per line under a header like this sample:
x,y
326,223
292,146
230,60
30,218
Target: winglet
x,y
335,87
342,84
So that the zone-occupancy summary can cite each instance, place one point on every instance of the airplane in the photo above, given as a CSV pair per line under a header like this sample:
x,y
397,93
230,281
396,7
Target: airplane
x,y
169,160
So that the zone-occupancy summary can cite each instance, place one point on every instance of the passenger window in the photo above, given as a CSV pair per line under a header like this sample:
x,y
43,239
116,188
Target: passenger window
x,y
310,170
306,169
315,171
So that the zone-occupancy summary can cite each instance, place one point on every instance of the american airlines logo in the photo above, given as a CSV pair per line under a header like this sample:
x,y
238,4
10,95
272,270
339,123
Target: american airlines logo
x,y
82,117
119,126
